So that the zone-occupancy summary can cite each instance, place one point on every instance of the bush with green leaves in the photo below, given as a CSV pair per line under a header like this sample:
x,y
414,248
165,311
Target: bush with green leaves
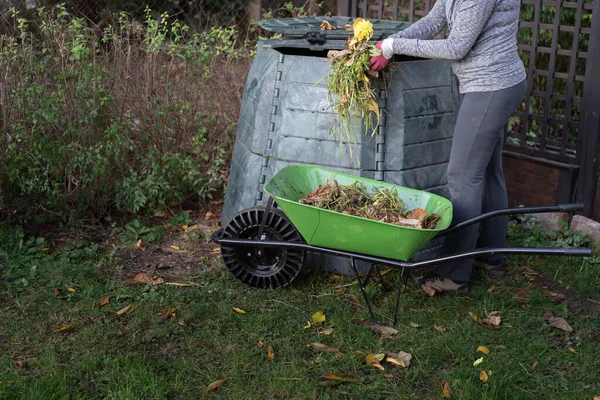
x,y
133,116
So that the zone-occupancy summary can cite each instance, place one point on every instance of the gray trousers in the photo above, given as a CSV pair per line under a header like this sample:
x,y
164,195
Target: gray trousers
x,y
475,176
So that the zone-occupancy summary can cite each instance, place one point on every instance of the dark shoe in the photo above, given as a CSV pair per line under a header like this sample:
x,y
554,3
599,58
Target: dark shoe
x,y
495,271
445,285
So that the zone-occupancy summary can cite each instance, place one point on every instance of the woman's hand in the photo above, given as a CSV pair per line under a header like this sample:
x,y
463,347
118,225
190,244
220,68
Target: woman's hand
x,y
378,63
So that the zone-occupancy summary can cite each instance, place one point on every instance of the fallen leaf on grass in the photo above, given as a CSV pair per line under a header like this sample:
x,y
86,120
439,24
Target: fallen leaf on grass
x,y
216,251
483,376
45,250
360,321
142,278
557,297
476,318
270,352
560,323
93,321
384,330
491,288
438,328
64,328
327,331
318,317
323,347
413,325
21,364
445,390
56,292
428,290
209,215
493,319
548,314
534,366
126,310
260,344
374,360
181,322
138,245
572,350
401,359
215,385
478,361
175,247
168,313
335,380
239,310
104,301
483,349
71,290
596,397
586,316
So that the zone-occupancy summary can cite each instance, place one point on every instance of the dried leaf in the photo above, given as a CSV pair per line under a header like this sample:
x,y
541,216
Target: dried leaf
x,y
483,349
71,290
64,328
327,331
142,278
548,314
216,251
557,297
318,317
586,316
360,321
56,292
168,313
215,385
428,290
126,310
384,271
340,378
483,376
476,318
384,329
239,310
181,322
596,398
374,360
44,250
326,26
174,247
438,328
260,344
21,364
491,288
572,350
138,245
323,347
209,215
401,359
478,361
560,323
270,352
493,318
445,390
534,366
104,301
412,324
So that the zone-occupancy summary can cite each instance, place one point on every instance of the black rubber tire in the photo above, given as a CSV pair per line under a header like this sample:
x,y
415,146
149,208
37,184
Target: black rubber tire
x,y
266,267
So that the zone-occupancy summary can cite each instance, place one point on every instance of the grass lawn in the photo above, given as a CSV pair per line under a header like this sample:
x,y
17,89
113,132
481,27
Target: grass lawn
x,y
57,342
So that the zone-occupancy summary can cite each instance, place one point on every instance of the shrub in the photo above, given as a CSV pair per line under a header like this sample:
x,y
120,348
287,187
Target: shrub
x,y
133,116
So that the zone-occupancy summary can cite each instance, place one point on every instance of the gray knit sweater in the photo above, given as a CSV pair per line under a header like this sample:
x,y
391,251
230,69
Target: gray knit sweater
x,y
482,44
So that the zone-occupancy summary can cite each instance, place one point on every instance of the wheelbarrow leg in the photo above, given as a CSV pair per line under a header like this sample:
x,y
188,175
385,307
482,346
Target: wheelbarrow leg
x,y
362,287
402,285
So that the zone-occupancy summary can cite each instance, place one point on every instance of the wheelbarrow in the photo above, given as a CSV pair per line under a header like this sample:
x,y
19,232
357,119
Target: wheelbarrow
x,y
265,246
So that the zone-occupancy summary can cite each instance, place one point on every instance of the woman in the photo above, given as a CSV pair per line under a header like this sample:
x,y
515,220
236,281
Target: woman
x,y
482,48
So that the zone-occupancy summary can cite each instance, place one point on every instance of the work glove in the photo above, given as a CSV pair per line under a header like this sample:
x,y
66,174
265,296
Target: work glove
x,y
377,63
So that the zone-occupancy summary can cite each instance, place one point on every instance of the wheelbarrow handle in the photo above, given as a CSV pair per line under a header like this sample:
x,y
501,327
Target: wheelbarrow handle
x,y
570,207
579,252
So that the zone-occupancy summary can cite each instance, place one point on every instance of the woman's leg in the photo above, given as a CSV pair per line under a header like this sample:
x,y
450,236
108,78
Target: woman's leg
x,y
478,139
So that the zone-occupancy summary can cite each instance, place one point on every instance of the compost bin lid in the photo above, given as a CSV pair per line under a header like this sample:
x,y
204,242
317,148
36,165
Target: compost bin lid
x,y
301,27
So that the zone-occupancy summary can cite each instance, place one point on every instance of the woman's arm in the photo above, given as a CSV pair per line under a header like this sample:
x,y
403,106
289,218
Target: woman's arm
x,y
428,26
469,22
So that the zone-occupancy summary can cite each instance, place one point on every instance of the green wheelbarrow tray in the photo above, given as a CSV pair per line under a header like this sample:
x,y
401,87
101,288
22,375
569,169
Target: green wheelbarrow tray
x,y
325,228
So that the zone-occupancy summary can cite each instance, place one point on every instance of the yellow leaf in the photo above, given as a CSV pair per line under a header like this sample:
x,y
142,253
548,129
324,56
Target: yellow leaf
x,y
215,251
483,349
307,325
318,317
174,247
385,271
44,250
64,328
126,310
340,378
138,245
374,360
476,318
478,361
483,377
445,390
215,385
209,215
398,363
270,352
184,227
71,290
401,359
169,312
239,310
260,344
323,347
572,350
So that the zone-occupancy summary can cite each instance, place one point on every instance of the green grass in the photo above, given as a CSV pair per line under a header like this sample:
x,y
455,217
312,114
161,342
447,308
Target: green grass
x,y
143,356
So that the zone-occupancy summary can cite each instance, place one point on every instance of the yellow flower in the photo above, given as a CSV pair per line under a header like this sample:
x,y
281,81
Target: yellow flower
x,y
363,30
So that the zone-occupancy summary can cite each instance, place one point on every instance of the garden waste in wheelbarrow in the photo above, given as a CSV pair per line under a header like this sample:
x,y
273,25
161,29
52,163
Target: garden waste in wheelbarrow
x,y
264,247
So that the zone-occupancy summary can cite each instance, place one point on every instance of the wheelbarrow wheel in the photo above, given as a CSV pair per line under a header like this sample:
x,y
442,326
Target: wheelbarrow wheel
x,y
262,267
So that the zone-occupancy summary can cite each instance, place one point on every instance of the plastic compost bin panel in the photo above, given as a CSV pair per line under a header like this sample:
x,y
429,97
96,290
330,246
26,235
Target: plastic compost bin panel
x,y
334,230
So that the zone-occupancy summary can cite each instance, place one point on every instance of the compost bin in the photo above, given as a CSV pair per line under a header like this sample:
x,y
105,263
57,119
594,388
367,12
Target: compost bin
x,y
286,118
